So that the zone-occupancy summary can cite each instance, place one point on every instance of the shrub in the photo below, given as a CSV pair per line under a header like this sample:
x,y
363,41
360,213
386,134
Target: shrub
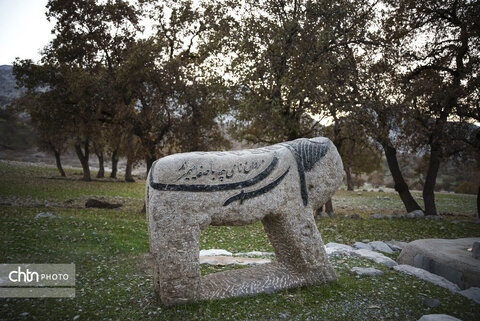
x,y
467,188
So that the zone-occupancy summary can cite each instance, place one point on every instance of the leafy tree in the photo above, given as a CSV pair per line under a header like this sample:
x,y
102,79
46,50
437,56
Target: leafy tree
x,y
439,56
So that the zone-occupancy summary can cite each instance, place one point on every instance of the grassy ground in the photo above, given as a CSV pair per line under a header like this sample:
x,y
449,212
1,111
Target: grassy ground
x,y
107,247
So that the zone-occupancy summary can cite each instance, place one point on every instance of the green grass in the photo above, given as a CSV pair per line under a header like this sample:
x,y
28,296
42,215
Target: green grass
x,y
112,282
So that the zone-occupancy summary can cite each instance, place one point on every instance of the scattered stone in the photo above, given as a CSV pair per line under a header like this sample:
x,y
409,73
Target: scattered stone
x,y
396,246
279,186
329,229
228,260
359,193
24,314
356,216
380,246
380,190
416,214
334,249
374,256
438,317
427,276
76,317
214,252
431,302
476,250
472,293
45,215
444,257
361,245
376,216
94,203
366,271
386,198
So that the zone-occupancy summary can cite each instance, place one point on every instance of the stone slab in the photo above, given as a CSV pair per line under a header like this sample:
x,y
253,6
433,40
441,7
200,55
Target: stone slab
x,y
374,256
448,258
228,260
366,271
427,276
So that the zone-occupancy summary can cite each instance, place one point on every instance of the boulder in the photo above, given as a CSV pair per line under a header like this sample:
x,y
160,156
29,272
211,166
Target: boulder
x,y
448,258
334,249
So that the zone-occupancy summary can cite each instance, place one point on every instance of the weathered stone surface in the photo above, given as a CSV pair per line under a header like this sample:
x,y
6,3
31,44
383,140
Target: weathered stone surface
x,y
376,216
374,256
280,186
438,317
447,258
366,271
361,245
94,203
255,253
427,276
472,293
380,246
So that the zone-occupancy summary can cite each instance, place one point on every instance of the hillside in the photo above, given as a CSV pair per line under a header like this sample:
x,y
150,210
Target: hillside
x,y
8,90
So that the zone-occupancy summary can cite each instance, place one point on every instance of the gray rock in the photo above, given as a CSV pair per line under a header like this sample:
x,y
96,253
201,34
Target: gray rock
x,y
396,246
366,271
361,245
427,276
374,256
447,258
416,214
438,317
356,216
279,185
376,216
214,252
431,302
334,249
380,246
472,293
476,250
45,215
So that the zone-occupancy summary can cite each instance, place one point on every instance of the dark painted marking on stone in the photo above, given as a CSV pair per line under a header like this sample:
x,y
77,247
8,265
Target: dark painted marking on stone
x,y
306,153
244,196
213,188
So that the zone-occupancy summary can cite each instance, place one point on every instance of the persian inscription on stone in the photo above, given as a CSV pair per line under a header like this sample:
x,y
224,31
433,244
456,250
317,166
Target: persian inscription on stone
x,y
192,170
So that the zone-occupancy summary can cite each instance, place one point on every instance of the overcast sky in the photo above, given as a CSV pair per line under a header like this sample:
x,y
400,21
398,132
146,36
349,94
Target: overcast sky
x,y
24,29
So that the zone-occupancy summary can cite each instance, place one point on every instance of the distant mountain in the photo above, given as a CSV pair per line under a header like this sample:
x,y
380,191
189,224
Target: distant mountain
x,y
8,92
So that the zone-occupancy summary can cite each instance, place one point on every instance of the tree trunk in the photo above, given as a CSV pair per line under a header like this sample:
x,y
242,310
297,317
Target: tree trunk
x,y
113,174
430,180
400,185
101,168
128,170
149,161
349,178
59,163
83,157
